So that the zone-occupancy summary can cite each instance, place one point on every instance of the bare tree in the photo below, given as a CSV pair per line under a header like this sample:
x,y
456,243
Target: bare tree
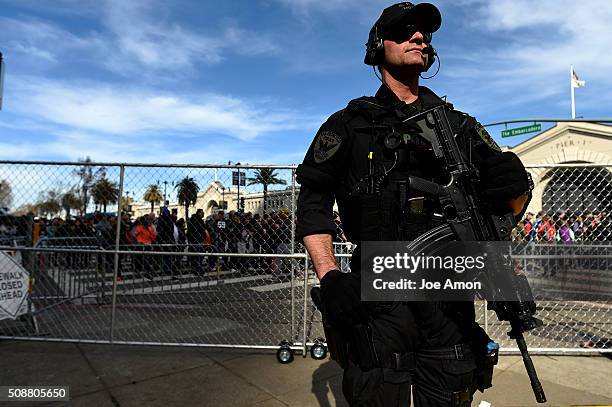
x,y
49,203
69,201
88,175
25,209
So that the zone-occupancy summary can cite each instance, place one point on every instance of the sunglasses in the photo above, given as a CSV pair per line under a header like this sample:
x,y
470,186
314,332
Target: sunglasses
x,y
403,33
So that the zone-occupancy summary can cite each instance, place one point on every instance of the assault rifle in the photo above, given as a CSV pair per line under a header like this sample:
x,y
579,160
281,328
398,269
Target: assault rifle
x,y
469,219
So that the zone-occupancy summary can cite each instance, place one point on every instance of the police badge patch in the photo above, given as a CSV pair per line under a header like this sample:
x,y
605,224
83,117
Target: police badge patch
x,y
486,137
326,145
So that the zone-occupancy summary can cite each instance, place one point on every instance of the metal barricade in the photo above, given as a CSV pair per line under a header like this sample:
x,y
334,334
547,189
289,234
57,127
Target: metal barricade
x,y
109,267
124,277
71,273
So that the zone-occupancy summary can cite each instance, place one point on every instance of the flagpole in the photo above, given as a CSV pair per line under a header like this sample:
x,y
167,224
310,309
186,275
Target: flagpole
x,y
572,91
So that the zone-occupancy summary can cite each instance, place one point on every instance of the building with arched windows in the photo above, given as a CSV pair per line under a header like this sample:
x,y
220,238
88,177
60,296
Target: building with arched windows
x,y
571,166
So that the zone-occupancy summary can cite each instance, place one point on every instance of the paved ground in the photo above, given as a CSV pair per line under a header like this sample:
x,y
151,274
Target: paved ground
x,y
105,375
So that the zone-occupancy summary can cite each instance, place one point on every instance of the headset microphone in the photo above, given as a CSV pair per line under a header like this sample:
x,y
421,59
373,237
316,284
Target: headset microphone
x,y
432,56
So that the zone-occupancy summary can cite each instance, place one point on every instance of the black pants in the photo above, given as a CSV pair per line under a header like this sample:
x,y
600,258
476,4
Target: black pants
x,y
396,329
432,383
144,262
196,262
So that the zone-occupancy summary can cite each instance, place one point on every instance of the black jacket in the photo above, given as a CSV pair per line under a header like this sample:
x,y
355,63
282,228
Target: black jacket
x,y
195,229
337,163
165,230
349,147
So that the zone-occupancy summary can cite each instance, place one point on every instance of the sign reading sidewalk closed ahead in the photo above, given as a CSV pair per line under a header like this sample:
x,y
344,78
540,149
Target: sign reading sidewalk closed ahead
x,y
521,130
14,281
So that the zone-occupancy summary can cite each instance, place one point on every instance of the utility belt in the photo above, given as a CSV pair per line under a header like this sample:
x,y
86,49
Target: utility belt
x,y
359,349
357,346
407,362
366,358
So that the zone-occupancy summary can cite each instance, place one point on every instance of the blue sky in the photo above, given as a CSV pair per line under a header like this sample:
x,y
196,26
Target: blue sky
x,y
207,82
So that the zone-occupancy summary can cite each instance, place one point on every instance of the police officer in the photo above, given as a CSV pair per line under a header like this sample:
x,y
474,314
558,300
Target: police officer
x,y
435,348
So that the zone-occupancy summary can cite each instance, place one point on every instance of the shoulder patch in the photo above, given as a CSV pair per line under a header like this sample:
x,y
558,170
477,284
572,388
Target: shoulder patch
x,y
326,145
486,137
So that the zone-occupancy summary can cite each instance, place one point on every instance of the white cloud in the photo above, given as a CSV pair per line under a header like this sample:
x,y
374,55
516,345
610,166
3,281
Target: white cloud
x,y
547,36
33,51
134,38
74,145
545,33
38,39
305,6
145,37
534,45
15,151
115,110
152,42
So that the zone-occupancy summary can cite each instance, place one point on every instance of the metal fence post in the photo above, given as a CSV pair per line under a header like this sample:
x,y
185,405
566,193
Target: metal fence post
x,y
292,252
486,316
293,335
305,316
292,211
116,257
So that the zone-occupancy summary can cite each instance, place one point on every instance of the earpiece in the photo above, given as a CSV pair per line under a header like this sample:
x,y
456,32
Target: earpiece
x,y
375,49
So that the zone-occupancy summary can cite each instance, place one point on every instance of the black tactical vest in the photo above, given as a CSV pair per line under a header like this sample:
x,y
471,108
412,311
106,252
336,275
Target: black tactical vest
x,y
374,203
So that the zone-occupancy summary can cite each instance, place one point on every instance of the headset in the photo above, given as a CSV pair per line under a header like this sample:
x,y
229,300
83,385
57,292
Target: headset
x,y
375,51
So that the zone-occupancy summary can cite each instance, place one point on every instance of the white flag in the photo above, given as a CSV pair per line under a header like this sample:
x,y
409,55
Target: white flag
x,y
576,82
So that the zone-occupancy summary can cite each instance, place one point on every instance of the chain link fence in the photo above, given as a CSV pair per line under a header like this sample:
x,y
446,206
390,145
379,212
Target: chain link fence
x,y
206,255
569,227
154,254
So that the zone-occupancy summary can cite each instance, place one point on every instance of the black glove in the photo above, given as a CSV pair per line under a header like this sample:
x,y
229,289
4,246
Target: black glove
x,y
341,296
503,177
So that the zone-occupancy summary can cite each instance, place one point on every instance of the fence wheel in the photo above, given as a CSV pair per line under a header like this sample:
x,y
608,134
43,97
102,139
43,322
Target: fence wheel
x,y
318,350
284,354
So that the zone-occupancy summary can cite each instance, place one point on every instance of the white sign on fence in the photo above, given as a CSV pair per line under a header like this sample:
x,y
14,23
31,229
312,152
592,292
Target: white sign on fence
x,y
14,281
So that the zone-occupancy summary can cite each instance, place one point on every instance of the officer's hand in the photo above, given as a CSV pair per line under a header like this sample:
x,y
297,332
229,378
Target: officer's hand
x,y
340,293
503,177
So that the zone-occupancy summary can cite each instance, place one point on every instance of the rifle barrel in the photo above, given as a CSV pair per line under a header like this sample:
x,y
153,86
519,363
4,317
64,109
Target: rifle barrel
x,y
536,386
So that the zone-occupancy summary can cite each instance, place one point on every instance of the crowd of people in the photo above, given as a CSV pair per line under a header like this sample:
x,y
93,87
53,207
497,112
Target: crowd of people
x,y
563,227
236,232
233,232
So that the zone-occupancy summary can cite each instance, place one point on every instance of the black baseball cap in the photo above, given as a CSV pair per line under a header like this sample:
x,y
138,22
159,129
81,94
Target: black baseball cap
x,y
425,15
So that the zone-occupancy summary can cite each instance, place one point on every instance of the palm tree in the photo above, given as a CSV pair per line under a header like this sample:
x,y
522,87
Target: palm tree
x,y
153,195
126,202
187,193
105,192
69,201
266,176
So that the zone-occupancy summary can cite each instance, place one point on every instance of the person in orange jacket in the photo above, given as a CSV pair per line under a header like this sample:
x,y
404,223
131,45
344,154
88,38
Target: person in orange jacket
x,y
145,236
